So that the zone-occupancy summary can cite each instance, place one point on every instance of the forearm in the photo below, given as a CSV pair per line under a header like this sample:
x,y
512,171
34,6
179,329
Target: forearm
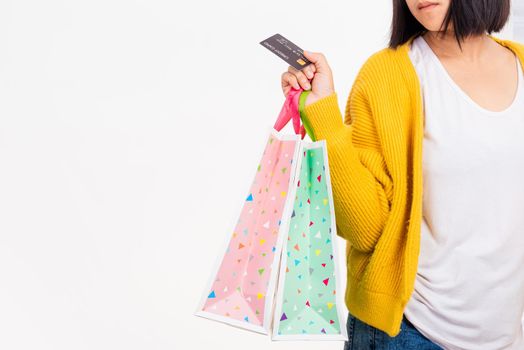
x,y
361,203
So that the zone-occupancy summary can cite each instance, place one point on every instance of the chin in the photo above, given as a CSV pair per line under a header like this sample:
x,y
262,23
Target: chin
x,y
433,26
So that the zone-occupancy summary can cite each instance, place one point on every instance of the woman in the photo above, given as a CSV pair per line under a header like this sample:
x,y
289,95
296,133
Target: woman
x,y
435,238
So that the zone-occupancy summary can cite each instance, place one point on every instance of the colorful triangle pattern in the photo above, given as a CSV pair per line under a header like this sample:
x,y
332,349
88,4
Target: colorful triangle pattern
x,y
242,283
309,295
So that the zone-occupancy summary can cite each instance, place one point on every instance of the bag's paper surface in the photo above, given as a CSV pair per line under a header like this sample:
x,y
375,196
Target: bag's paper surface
x,y
241,290
309,300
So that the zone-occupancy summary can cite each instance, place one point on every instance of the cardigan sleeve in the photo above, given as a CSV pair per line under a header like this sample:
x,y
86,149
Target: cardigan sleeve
x,y
361,185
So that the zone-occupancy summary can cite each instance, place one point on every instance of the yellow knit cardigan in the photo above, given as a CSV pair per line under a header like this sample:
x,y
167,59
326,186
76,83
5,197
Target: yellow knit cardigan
x,y
375,158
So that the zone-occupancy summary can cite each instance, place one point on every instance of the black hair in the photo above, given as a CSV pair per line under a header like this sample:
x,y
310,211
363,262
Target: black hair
x,y
469,17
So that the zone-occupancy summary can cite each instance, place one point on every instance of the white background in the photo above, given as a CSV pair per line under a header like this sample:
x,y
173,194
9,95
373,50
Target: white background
x,y
129,134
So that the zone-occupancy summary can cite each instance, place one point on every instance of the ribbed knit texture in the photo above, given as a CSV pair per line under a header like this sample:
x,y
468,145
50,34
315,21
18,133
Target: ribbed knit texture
x,y
375,158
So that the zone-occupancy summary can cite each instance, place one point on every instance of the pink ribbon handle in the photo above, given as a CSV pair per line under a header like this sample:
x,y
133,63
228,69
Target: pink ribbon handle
x,y
290,111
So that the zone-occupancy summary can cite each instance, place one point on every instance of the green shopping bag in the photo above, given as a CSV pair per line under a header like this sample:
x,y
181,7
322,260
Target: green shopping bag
x,y
309,303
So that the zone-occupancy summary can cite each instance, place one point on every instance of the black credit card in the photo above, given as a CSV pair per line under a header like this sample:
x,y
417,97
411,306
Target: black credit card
x,y
286,50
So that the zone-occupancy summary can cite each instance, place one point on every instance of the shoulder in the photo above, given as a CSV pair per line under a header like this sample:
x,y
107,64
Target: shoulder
x,y
384,70
514,45
517,45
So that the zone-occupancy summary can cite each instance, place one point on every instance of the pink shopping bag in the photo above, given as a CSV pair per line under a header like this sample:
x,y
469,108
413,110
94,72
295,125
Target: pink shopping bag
x,y
242,287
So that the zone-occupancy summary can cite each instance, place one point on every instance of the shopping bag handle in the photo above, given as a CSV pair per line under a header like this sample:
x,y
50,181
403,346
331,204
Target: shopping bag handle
x,y
290,111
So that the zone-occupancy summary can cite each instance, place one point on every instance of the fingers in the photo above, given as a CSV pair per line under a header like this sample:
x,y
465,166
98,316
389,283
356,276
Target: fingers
x,y
309,71
300,77
289,79
319,61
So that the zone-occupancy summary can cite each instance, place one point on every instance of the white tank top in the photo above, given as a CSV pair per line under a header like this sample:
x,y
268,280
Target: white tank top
x,y
469,288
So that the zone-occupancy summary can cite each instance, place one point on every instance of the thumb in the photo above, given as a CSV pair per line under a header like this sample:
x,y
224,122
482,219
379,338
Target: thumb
x,y
319,60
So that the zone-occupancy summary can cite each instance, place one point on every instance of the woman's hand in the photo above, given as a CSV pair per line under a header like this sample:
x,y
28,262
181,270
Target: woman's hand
x,y
316,76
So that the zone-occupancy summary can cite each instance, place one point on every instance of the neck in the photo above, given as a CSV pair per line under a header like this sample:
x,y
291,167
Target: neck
x,y
446,46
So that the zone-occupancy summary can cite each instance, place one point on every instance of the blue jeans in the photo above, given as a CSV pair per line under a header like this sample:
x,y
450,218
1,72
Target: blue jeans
x,y
362,336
